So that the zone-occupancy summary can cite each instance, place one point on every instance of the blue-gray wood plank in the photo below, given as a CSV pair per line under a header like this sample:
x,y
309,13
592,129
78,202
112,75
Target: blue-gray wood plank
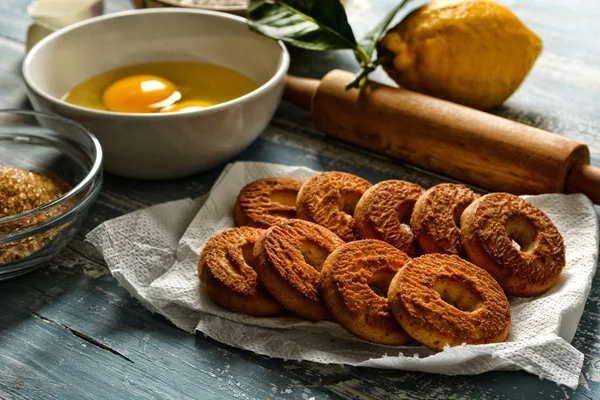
x,y
68,330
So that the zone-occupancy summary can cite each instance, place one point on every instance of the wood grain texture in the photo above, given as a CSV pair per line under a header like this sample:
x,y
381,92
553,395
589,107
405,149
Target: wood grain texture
x,y
69,331
467,144
585,178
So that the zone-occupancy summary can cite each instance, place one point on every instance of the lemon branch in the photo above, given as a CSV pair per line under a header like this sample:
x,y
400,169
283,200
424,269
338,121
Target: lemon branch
x,y
360,78
319,25
367,45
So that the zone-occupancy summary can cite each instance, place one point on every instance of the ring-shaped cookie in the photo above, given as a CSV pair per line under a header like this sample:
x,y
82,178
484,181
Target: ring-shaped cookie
x,y
515,242
225,270
329,199
441,299
382,211
289,257
435,220
267,202
350,278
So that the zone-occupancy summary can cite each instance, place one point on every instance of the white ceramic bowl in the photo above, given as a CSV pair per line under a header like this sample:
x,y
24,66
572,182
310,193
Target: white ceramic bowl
x,y
160,146
238,10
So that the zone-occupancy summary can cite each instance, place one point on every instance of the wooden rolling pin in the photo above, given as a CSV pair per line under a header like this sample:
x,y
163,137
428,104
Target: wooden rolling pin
x,y
457,141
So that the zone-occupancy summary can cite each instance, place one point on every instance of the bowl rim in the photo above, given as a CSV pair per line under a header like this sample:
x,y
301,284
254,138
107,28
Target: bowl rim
x,y
176,3
89,179
27,62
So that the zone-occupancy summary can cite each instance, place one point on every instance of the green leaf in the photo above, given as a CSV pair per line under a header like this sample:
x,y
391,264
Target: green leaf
x,y
310,24
368,45
370,40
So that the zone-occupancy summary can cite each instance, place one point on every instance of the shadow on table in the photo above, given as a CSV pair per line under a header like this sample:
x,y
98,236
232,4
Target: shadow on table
x,y
528,117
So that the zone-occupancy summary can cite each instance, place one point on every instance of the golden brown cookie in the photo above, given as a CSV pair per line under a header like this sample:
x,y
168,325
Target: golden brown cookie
x,y
382,211
435,220
226,272
515,242
267,202
289,257
329,199
351,279
441,299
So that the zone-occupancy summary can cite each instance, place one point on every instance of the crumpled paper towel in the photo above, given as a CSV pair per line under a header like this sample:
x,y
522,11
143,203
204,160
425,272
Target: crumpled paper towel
x,y
153,253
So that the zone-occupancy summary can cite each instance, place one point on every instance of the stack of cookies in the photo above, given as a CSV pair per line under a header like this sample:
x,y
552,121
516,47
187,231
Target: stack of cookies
x,y
391,262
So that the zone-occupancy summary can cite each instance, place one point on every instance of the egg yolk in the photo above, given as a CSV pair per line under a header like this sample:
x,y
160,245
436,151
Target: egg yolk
x,y
140,94
186,106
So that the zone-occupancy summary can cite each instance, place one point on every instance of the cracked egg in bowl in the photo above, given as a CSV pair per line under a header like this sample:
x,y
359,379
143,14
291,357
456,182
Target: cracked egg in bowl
x,y
168,92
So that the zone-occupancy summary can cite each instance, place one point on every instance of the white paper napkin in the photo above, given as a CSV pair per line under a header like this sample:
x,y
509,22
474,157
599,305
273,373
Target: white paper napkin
x,y
153,253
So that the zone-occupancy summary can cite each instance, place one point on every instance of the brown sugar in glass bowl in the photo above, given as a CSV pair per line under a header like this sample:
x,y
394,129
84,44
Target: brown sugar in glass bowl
x,y
22,190
50,174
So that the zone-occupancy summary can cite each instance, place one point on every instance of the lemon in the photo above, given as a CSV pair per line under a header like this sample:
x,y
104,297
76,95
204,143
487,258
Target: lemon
x,y
472,52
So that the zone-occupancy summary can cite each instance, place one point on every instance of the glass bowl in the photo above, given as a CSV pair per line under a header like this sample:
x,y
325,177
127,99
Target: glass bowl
x,y
62,149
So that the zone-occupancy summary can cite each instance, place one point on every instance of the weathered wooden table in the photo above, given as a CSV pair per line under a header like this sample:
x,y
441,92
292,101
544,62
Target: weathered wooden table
x,y
68,330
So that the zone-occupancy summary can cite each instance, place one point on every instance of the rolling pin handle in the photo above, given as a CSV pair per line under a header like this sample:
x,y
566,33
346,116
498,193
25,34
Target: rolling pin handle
x,y
300,91
585,179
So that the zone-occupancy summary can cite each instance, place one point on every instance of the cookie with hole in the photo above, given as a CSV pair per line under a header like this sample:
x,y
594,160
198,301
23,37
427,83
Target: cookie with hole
x,y
266,202
435,220
384,213
289,257
329,199
354,285
515,242
225,269
442,300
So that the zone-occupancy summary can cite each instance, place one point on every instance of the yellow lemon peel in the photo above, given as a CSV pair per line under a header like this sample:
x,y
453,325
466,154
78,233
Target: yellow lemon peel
x,y
472,52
